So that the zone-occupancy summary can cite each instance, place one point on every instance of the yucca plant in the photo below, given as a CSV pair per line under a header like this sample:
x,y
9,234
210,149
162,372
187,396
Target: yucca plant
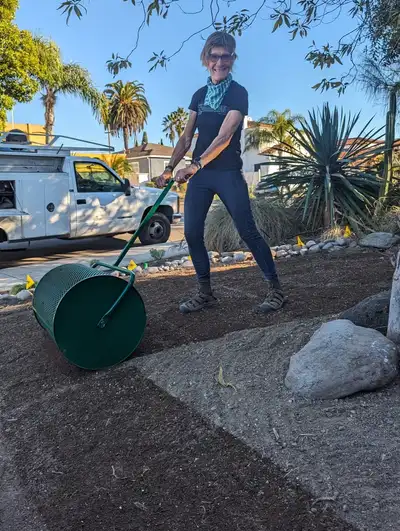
x,y
330,176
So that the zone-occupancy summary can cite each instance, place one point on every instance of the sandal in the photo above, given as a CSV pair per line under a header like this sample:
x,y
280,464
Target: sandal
x,y
197,303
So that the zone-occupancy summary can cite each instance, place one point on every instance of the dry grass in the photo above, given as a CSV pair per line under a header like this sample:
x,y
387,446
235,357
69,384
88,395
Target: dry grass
x,y
389,221
275,222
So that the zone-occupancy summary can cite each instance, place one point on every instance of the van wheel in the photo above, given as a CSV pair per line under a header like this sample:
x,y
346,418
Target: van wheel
x,y
157,230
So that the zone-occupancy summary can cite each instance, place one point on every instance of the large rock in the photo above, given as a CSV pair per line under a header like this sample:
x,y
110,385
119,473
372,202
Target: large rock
x,y
379,240
372,312
342,359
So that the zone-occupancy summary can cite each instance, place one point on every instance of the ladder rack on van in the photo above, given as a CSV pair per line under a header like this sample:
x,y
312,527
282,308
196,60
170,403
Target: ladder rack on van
x,y
51,148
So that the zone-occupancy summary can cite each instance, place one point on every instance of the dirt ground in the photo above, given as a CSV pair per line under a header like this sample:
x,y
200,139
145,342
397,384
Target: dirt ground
x,y
318,285
111,451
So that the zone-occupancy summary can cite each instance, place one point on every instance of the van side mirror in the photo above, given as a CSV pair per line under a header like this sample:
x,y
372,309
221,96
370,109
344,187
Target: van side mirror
x,y
127,187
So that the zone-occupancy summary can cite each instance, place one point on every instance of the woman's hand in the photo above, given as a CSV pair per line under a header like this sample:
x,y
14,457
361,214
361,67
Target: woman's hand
x,y
182,176
162,181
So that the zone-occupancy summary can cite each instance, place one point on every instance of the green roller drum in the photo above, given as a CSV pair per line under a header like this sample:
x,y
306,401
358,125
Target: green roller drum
x,y
70,302
96,319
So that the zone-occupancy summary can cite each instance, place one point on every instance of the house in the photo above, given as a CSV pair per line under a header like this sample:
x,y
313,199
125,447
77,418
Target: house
x,y
150,160
34,133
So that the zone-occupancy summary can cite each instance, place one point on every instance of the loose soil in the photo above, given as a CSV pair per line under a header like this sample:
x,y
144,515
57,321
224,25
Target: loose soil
x,y
111,451
318,285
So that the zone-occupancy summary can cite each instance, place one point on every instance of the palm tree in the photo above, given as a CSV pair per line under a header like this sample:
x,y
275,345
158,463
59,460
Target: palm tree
x,y
169,128
118,163
174,124
145,138
382,83
60,78
128,109
274,131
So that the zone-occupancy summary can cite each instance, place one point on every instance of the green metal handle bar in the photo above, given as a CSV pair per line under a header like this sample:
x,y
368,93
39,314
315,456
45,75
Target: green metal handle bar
x,y
104,320
147,218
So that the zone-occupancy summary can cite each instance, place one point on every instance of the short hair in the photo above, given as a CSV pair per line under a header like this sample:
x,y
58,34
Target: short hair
x,y
218,39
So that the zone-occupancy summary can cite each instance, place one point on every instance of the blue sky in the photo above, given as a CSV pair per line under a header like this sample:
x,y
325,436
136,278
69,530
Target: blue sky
x,y
271,66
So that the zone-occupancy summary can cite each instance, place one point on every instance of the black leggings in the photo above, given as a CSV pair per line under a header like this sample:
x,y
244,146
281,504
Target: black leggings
x,y
231,187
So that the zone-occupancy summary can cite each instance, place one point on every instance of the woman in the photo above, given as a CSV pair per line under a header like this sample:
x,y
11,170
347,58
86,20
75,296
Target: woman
x,y
217,112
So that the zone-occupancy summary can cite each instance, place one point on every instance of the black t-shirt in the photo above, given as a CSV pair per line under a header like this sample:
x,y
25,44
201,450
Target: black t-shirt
x,y
209,121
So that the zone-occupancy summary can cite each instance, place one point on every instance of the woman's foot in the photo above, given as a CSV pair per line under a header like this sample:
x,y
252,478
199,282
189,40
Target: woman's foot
x,y
197,303
274,300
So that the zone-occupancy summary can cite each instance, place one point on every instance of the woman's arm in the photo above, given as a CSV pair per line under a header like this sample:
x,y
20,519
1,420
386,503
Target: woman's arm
x,y
181,148
185,141
228,128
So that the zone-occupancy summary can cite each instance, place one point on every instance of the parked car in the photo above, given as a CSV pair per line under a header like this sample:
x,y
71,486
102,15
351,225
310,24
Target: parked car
x,y
47,192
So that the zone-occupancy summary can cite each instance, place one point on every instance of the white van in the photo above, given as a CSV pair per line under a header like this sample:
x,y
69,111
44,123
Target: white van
x,y
46,192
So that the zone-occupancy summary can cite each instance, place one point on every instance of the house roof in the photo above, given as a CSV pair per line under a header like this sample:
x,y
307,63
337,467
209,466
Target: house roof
x,y
151,150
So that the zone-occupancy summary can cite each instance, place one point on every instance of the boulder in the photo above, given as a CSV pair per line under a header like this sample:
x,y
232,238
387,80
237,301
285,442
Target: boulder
x,y
379,240
227,260
188,264
281,254
152,270
24,295
342,242
342,359
327,246
372,312
239,256
311,243
303,251
314,248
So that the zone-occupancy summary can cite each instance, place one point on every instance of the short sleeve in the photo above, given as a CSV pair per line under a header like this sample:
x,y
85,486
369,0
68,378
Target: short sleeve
x,y
194,104
240,102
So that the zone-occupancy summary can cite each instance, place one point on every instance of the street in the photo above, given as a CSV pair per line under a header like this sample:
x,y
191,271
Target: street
x,y
46,250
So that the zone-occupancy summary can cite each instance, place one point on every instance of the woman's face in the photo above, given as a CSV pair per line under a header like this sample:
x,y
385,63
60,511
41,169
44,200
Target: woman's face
x,y
219,63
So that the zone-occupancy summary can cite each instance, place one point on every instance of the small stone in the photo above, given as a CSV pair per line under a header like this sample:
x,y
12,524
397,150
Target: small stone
x,y
176,263
275,248
281,254
168,264
285,247
287,256
342,242
239,257
224,255
214,260
303,251
188,264
353,245
24,295
335,249
152,270
328,246
297,247
294,253
227,260
248,256
138,270
213,254
310,243
314,249
6,298
165,268
273,254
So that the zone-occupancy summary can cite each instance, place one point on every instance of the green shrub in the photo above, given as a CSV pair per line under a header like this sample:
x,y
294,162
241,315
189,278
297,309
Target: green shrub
x,y
17,288
275,222
157,254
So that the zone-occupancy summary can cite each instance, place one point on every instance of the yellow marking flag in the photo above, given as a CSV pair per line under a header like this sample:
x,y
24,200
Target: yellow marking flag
x,y
29,282
132,265
347,232
300,242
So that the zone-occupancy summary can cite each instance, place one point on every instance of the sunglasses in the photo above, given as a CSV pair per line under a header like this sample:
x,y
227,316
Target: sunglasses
x,y
225,57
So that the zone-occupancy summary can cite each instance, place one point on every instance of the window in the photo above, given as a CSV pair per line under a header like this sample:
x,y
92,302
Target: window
x,y
94,177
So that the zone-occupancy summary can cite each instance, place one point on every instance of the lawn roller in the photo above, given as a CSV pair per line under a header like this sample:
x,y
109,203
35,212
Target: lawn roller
x,y
96,319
